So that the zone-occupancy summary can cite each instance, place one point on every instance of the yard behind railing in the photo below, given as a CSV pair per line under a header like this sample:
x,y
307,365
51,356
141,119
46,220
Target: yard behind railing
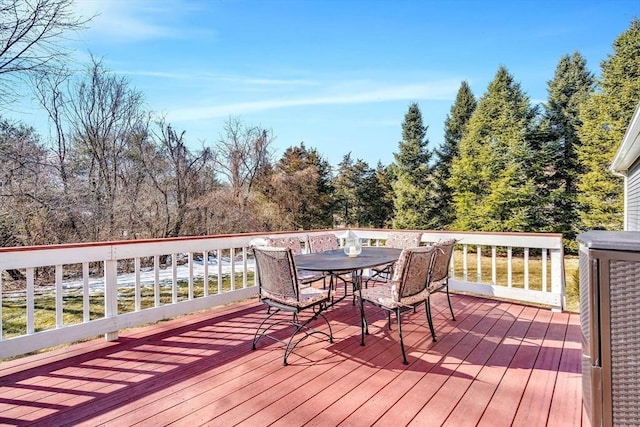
x,y
54,295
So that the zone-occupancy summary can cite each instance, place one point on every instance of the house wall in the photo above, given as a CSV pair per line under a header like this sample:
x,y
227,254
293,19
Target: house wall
x,y
633,198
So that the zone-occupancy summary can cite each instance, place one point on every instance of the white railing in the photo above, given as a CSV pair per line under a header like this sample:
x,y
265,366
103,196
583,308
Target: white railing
x,y
202,272
507,255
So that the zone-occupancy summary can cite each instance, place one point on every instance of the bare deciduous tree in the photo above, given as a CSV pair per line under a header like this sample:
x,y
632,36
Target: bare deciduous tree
x,y
30,36
241,153
104,113
176,173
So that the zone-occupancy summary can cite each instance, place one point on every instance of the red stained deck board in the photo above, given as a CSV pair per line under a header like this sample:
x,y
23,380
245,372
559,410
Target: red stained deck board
x,y
487,366
568,387
536,401
506,400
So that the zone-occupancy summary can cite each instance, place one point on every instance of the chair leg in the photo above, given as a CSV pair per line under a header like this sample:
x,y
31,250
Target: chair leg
x,y
450,306
404,356
427,307
257,336
364,329
291,345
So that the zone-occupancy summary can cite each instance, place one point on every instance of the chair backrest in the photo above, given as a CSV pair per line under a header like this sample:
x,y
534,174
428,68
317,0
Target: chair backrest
x,y
403,239
322,242
440,269
292,243
276,273
412,271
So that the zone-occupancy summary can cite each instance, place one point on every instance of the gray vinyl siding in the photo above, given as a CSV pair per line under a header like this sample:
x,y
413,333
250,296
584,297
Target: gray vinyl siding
x,y
633,197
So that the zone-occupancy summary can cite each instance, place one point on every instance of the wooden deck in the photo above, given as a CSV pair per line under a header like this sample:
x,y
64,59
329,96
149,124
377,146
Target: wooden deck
x,y
498,364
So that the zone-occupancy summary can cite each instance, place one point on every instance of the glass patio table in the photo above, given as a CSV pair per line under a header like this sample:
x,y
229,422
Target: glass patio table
x,y
336,261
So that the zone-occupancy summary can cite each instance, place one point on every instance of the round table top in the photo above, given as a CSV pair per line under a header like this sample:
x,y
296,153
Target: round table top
x,y
337,260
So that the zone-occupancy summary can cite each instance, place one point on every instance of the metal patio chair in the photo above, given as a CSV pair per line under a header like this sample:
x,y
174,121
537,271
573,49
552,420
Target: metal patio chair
x,y
440,277
280,289
406,289
305,277
329,242
398,240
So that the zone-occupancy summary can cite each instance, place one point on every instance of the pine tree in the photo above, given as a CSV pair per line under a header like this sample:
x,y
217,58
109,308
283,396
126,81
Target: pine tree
x,y
492,190
556,160
359,195
413,201
454,127
605,117
301,187
382,197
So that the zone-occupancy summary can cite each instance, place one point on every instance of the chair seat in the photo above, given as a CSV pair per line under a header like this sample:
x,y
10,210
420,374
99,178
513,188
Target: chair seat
x,y
435,286
308,297
306,276
385,296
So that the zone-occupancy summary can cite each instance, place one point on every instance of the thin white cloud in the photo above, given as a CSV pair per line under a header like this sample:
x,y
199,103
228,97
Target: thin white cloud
x,y
243,80
132,20
444,90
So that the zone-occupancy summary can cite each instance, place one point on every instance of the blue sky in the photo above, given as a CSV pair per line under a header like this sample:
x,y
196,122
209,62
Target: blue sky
x,y
336,75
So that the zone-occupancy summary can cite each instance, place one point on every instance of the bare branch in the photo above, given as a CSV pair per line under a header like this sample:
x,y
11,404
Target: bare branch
x,y
30,38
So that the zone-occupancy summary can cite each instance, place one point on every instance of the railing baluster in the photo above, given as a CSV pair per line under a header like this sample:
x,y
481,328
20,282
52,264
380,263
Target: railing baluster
x,y
526,268
137,287
205,279
1,299
479,264
190,260
244,268
544,270
59,297
232,258
219,291
494,267
30,301
465,266
86,296
156,280
174,278
509,267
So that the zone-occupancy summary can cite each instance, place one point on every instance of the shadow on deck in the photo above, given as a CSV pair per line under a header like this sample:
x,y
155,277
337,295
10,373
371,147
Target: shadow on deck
x,y
499,364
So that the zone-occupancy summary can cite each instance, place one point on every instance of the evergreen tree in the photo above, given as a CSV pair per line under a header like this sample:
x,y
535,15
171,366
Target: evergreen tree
x,y
454,127
381,195
556,162
301,187
605,118
413,201
492,190
346,195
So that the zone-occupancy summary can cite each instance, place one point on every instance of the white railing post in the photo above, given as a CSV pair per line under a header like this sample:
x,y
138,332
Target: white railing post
x,y
557,278
111,294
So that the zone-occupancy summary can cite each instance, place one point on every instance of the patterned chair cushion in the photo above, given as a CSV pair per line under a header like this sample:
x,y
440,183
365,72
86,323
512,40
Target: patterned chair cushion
x,y
292,243
308,297
403,239
387,296
322,242
440,270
